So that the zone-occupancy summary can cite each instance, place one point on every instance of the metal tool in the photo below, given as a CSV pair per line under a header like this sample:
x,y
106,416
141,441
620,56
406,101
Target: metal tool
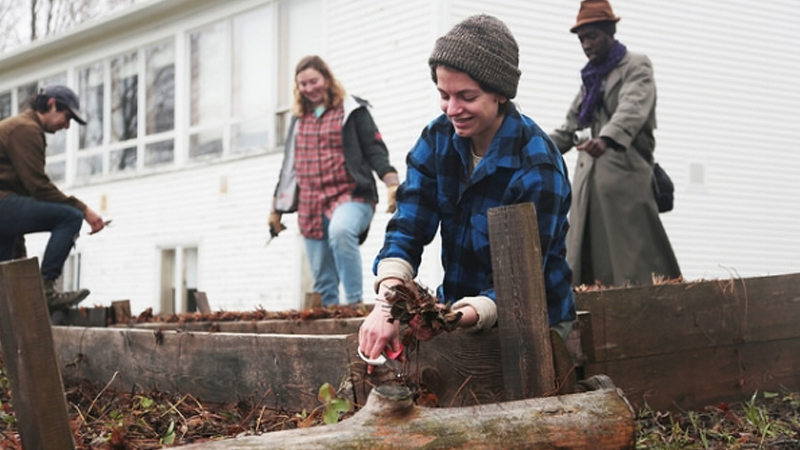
x,y
388,358
273,233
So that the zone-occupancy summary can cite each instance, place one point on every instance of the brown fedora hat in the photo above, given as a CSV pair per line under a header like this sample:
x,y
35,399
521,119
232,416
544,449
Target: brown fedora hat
x,y
594,11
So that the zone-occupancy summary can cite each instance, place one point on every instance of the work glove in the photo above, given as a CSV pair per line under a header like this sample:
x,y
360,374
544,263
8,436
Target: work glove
x,y
275,225
391,192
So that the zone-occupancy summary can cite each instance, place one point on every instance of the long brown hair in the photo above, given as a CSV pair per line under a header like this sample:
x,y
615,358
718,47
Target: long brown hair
x,y
335,94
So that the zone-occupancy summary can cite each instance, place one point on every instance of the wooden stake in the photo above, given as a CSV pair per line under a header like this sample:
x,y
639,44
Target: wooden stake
x,y
521,302
27,343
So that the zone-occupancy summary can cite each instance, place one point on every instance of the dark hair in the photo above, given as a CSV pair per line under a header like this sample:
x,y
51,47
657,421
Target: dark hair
x,y
39,103
334,96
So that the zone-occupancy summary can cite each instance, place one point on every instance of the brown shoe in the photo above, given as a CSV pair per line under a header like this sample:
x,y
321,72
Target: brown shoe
x,y
62,300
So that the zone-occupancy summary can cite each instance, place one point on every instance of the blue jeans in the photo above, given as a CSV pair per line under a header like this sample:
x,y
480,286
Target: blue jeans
x,y
20,215
337,257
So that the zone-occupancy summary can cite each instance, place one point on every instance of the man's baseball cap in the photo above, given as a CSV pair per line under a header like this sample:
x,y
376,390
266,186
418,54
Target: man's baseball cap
x,y
66,97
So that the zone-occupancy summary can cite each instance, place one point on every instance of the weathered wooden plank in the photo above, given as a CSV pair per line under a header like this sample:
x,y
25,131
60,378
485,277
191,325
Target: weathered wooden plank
x,y
201,300
214,367
121,311
646,321
527,357
694,378
460,369
30,359
81,317
599,420
316,326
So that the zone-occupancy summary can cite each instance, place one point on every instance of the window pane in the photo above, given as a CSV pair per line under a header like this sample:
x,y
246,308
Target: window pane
x,y
160,79
123,160
207,57
89,166
5,105
250,134
159,153
90,81
205,143
251,63
124,97
25,95
56,143
250,79
56,170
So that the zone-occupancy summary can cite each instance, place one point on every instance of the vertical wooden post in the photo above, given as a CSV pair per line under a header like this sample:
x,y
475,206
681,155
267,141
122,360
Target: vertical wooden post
x,y
29,353
521,302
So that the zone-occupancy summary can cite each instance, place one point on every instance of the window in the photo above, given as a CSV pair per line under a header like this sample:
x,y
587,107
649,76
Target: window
x,y
90,87
207,98
25,95
231,69
124,97
160,85
123,160
5,105
301,32
160,103
250,66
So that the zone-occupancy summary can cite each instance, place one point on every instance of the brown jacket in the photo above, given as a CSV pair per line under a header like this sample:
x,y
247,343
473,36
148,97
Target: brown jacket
x,y
615,234
22,159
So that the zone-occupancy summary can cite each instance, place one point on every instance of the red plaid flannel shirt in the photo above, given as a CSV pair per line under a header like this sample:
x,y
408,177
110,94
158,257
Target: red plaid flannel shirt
x,y
322,175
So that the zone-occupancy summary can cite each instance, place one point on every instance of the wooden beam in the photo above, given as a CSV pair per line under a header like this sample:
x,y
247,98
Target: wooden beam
x,y
684,316
693,379
121,311
521,302
201,300
690,345
82,317
213,367
597,420
315,326
30,358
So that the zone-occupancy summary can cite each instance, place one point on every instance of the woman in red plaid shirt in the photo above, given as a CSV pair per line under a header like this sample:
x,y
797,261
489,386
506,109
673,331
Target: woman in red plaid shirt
x,y
332,149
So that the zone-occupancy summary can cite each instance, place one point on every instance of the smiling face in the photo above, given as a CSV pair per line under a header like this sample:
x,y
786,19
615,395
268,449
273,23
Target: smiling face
x,y
595,43
475,113
312,86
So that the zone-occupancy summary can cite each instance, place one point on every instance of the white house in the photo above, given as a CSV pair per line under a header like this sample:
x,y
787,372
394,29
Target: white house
x,y
187,101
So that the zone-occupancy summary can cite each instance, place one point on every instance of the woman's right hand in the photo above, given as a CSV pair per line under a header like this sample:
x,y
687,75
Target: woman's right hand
x,y
275,225
377,333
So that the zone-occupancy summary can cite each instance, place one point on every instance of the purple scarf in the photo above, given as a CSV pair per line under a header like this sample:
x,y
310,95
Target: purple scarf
x,y
593,77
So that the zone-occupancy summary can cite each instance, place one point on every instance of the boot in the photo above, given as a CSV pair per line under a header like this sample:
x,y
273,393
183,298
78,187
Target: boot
x,y
62,300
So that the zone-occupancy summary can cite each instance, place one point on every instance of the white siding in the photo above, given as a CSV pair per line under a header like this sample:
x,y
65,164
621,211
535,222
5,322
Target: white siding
x,y
728,109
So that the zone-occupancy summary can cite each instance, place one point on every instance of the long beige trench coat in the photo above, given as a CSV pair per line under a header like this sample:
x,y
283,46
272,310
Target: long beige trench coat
x,y
616,236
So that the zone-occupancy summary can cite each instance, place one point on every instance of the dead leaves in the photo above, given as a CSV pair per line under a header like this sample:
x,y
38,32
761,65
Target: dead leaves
x,y
410,305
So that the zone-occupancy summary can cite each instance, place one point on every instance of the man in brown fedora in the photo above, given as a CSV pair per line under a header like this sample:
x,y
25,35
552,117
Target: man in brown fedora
x,y
615,236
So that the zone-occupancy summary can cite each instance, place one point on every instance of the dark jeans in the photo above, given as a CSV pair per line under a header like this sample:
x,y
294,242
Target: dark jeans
x,y
20,215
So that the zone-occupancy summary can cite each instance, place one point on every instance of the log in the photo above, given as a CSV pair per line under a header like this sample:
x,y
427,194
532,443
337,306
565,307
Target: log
x,y
596,420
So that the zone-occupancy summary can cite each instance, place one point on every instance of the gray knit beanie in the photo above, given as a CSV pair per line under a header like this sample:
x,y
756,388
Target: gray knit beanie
x,y
483,47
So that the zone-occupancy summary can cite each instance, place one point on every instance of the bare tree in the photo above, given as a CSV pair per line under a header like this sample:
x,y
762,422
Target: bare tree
x,y
47,17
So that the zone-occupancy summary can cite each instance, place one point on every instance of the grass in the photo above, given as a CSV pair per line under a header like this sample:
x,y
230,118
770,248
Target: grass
x,y
768,421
